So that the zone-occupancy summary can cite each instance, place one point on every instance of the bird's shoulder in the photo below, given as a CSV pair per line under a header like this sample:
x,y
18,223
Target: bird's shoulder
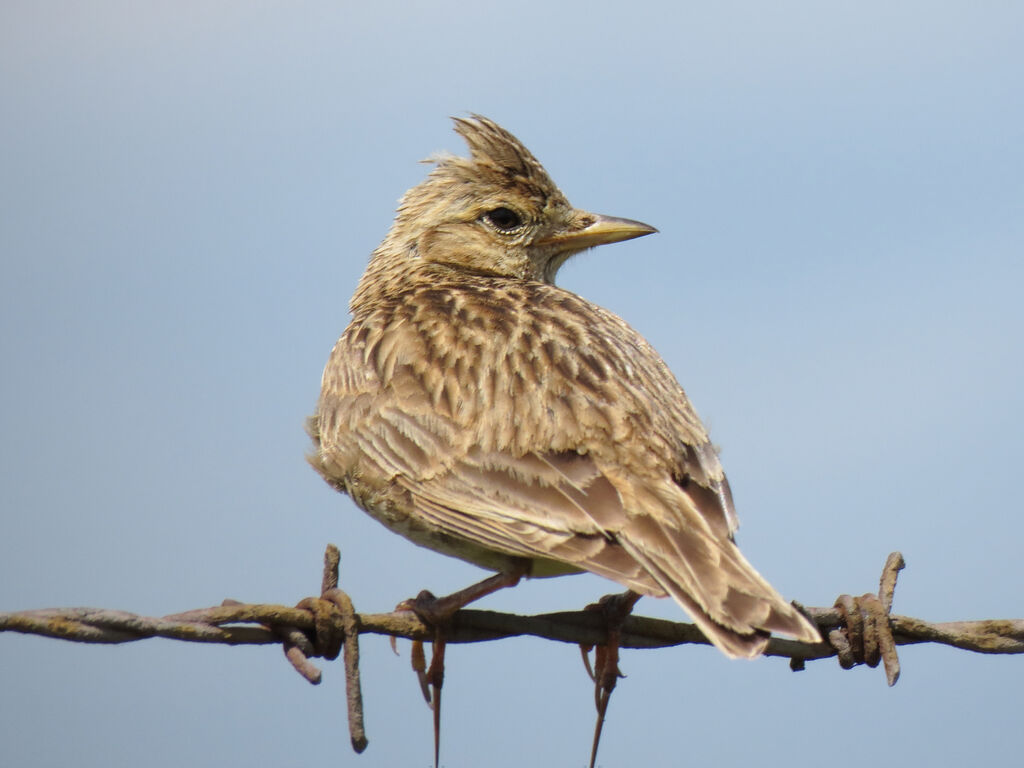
x,y
517,364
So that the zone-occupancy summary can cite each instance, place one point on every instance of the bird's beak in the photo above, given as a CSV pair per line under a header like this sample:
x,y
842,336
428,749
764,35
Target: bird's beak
x,y
597,230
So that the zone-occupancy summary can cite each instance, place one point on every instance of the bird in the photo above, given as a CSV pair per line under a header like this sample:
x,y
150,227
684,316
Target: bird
x,y
479,410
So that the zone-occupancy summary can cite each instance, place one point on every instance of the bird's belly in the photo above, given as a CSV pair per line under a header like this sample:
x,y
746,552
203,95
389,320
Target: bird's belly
x,y
395,515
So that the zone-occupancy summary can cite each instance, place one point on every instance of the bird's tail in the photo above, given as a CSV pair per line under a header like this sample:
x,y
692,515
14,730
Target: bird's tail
x,y
740,624
708,576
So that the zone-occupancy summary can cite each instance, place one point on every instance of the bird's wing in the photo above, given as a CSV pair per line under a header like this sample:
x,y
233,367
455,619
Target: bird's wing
x,y
571,442
387,425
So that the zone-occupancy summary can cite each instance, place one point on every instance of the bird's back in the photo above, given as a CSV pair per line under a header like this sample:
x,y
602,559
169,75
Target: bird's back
x,y
507,366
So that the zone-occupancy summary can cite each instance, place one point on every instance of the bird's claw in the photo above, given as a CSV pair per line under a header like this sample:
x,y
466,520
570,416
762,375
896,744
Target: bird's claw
x,y
437,613
605,671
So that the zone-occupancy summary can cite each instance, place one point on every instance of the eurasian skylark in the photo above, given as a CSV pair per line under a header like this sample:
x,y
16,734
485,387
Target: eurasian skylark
x,y
479,410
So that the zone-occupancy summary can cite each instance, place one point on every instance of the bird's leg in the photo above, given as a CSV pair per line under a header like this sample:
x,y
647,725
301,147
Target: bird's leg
x,y
605,672
437,612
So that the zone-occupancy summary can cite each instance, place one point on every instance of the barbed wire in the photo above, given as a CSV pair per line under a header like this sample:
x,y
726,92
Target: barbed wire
x,y
858,630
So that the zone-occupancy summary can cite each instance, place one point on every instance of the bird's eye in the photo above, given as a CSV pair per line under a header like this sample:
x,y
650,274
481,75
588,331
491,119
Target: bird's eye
x,y
504,219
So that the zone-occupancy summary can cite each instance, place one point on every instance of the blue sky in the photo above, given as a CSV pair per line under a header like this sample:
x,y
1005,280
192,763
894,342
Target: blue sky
x,y
188,195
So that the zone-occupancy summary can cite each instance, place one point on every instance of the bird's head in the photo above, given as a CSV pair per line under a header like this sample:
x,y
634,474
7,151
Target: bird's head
x,y
496,211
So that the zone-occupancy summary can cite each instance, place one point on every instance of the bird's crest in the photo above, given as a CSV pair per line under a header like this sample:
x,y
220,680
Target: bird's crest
x,y
495,156
492,146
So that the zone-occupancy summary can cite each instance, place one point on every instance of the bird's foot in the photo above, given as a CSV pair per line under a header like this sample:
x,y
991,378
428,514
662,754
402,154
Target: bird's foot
x,y
439,610
437,613
605,670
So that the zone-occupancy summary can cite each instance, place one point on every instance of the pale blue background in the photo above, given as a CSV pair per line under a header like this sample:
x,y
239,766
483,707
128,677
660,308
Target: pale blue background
x,y
189,192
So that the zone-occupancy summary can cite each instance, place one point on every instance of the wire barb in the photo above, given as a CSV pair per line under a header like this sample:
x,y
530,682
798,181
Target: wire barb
x,y
335,629
866,634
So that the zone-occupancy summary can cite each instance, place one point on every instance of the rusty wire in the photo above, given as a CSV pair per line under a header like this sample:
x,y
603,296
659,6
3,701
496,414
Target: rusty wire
x,y
858,630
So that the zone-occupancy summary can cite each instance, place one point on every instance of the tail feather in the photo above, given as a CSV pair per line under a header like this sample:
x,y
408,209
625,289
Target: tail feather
x,y
723,593
733,643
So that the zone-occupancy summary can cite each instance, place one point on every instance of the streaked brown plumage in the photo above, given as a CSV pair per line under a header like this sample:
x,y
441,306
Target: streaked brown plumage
x,y
479,410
